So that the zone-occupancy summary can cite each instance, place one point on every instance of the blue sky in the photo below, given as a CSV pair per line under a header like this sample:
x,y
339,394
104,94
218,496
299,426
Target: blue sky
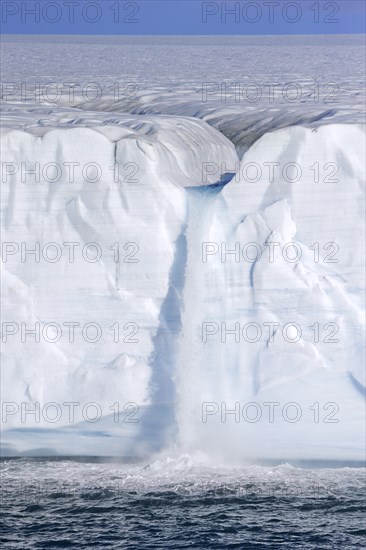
x,y
141,17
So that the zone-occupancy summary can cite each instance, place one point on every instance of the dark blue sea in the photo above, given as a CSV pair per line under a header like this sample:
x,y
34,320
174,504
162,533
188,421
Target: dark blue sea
x,y
176,503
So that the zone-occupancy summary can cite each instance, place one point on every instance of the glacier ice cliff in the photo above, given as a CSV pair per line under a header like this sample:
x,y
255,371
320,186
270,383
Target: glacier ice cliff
x,y
184,272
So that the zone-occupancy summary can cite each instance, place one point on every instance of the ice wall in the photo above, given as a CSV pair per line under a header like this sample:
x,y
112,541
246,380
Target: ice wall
x,y
250,293
138,200
104,186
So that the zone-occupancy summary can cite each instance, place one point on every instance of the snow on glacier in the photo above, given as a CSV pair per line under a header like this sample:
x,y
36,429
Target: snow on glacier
x,y
169,210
